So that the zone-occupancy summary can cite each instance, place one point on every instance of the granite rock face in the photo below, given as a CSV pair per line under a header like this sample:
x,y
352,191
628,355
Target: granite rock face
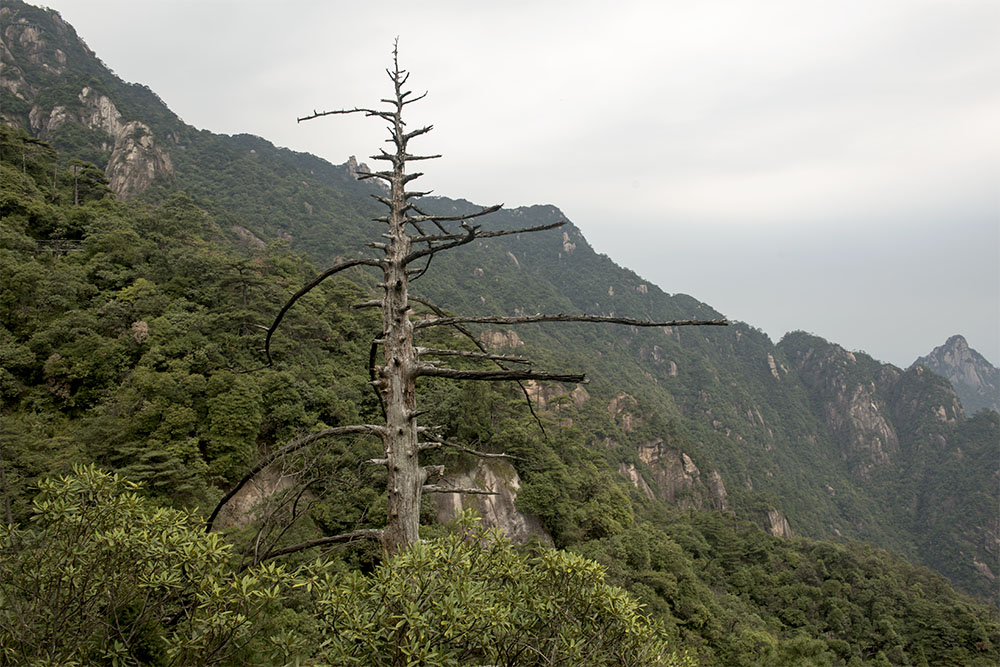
x,y
34,53
496,510
976,381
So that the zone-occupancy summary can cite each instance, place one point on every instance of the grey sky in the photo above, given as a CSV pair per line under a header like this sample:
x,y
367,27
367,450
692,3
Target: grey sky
x,y
831,166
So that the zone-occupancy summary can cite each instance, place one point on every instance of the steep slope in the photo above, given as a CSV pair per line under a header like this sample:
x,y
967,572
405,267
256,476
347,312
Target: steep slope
x,y
904,436
55,87
976,381
123,348
704,419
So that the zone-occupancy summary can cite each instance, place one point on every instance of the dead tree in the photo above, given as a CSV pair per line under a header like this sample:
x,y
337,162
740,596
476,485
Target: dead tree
x,y
412,238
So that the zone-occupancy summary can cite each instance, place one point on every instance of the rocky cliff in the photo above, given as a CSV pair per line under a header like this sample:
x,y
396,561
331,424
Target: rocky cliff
x,y
496,508
38,53
904,436
976,381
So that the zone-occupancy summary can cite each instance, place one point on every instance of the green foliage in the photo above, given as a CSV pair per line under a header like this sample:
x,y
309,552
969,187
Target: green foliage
x,y
103,576
471,598
126,343
746,598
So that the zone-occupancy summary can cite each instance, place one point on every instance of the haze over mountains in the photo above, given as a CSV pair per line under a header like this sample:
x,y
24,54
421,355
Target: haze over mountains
x,y
843,144
803,438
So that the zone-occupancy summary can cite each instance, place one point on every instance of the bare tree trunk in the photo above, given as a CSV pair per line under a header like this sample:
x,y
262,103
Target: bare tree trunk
x,y
397,378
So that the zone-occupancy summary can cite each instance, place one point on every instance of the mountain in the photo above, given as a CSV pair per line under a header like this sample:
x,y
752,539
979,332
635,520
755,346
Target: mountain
x,y
976,381
695,434
708,418
905,435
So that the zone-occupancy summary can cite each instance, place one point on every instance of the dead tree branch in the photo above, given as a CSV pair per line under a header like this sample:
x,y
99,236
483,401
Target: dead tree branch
x,y
530,319
424,217
434,488
499,375
340,112
366,429
374,534
438,443
431,351
336,268
486,235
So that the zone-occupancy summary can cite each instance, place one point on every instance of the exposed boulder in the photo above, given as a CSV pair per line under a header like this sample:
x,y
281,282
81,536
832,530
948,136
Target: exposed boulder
x,y
496,511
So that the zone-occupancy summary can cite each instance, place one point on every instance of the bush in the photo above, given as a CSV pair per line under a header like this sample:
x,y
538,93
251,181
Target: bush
x,y
103,576
471,598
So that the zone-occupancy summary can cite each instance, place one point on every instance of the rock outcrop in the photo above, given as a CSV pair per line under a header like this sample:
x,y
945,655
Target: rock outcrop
x,y
249,502
501,340
976,381
778,524
672,473
127,150
677,479
848,393
496,511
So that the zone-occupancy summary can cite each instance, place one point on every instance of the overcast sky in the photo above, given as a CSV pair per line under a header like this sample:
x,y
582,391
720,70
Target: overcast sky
x,y
831,166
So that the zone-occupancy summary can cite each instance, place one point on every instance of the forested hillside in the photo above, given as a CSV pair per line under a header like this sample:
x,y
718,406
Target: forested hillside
x,y
129,325
123,344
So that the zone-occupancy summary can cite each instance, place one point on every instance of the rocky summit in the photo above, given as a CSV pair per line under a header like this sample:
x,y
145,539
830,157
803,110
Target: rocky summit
x,y
976,380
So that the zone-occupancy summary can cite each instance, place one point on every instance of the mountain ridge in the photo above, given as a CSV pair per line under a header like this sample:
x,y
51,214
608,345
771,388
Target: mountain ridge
x,y
758,417
975,379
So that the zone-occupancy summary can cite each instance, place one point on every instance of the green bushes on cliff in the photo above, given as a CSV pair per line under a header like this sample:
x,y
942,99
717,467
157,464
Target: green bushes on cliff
x,y
101,575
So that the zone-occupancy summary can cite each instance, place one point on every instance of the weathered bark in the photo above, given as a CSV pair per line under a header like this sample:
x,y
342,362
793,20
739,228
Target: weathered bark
x,y
438,443
514,374
434,488
435,352
396,378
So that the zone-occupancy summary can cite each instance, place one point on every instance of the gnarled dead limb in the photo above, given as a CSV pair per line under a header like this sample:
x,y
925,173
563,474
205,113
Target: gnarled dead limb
x,y
428,370
560,317
434,488
487,235
437,352
438,443
336,268
366,429
422,217
374,534
368,112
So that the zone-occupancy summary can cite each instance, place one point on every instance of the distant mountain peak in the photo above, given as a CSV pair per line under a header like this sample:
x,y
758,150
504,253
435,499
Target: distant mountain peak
x,y
956,342
976,381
